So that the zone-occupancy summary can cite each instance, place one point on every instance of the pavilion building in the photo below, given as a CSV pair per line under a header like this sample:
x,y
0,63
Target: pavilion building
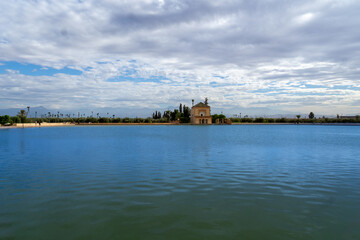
x,y
200,114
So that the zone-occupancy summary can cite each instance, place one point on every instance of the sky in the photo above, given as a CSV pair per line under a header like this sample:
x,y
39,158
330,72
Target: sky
x,y
259,56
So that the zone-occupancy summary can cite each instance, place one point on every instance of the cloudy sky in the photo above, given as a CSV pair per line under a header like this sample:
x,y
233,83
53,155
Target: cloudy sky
x,y
275,56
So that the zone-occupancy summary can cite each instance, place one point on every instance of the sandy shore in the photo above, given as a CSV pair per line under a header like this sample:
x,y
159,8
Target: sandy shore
x,y
124,124
37,125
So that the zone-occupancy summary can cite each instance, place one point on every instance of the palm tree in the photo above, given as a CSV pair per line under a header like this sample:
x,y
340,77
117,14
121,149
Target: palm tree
x,y
22,114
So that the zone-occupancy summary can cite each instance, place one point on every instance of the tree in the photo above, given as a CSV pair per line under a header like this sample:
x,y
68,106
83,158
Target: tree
x,y
186,111
167,115
156,115
185,116
5,119
175,115
216,116
22,115
180,108
311,115
298,116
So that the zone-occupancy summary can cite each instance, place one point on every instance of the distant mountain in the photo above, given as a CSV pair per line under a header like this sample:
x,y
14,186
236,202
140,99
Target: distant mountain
x,y
103,112
14,111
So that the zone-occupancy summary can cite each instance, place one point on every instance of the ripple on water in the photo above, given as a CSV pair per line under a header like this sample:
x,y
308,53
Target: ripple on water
x,y
249,182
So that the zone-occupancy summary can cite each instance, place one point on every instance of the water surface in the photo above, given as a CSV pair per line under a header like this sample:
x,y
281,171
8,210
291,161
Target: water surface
x,y
180,182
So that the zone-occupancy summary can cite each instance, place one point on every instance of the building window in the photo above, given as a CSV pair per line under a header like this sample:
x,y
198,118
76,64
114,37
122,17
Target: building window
x,y
206,121
199,121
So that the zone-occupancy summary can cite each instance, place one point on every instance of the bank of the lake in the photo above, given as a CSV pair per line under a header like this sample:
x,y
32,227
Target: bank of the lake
x,y
67,124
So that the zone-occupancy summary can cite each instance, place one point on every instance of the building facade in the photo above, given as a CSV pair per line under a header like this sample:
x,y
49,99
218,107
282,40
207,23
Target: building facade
x,y
201,114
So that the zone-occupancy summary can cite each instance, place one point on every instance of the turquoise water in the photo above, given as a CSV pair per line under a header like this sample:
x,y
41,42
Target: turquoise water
x,y
180,182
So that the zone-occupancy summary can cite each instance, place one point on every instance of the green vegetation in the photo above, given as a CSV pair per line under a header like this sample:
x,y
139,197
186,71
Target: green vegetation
x,y
170,116
296,120
216,116
5,120
22,115
182,114
311,115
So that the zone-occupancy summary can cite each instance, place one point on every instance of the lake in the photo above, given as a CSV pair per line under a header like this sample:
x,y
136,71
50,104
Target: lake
x,y
180,182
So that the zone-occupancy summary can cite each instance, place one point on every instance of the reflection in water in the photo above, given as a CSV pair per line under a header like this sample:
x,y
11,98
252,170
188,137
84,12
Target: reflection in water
x,y
251,182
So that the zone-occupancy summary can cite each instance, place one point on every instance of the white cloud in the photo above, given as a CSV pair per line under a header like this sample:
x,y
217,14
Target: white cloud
x,y
304,18
237,53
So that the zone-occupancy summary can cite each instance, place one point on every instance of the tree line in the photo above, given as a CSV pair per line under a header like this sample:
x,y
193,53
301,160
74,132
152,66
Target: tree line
x,y
298,120
182,114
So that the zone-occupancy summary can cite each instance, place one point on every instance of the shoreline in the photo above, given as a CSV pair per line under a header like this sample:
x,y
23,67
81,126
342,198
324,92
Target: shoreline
x,y
44,125
335,124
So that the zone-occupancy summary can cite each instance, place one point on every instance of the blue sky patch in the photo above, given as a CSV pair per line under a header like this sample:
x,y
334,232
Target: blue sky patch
x,y
346,87
35,70
314,86
267,90
156,79
218,76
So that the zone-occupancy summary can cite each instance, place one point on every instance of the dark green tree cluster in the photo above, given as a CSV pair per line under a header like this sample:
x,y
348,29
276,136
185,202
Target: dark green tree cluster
x,y
5,120
214,117
182,114
311,115
156,115
297,120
